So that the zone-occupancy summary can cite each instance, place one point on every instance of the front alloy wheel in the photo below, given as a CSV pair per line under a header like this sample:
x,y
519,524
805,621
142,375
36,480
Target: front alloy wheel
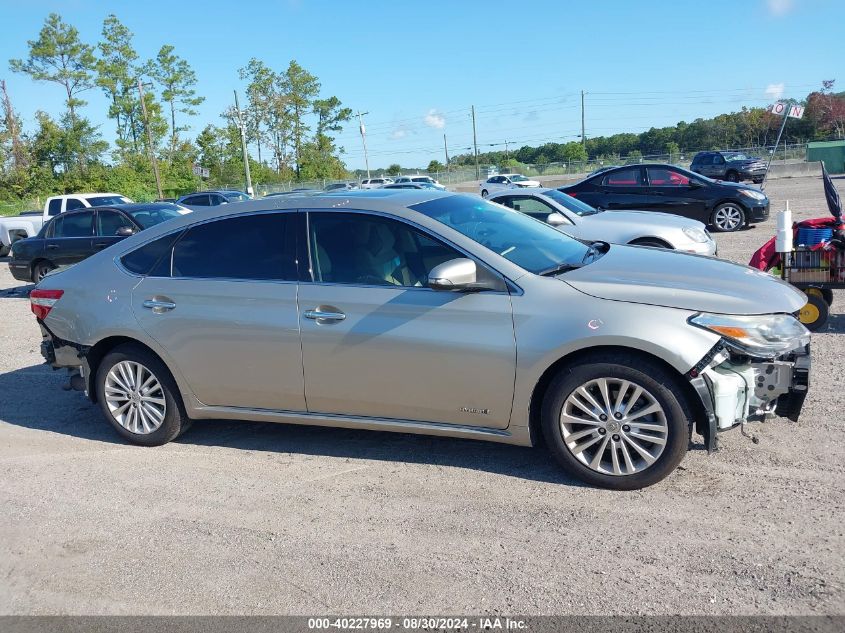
x,y
728,217
614,426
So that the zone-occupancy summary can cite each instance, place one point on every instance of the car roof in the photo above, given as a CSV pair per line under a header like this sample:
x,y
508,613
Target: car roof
x,y
139,206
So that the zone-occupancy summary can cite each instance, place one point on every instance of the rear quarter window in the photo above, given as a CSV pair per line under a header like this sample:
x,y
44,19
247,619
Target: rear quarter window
x,y
142,260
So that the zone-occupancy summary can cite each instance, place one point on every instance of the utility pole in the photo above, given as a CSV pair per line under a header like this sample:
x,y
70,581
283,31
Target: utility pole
x,y
150,138
446,151
243,145
507,155
777,142
475,145
583,134
363,131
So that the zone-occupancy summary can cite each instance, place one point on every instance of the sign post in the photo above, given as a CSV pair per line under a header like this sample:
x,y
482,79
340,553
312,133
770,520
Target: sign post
x,y
786,111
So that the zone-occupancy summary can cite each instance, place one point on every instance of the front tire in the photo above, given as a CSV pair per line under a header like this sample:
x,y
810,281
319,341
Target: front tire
x,y
617,421
40,270
4,250
728,217
484,193
732,176
139,397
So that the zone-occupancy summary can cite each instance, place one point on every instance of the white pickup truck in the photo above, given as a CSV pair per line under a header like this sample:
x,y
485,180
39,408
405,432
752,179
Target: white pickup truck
x,y
29,224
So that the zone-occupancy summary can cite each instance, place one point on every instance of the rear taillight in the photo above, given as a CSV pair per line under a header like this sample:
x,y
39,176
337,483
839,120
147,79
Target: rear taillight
x,y
571,193
42,301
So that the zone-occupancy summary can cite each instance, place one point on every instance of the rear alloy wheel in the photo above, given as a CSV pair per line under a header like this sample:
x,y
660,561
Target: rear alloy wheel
x,y
40,270
732,176
615,426
139,397
728,217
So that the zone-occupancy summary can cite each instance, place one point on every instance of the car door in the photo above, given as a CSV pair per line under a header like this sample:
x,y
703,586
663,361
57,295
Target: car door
x,y
377,342
620,189
224,309
670,192
717,171
108,222
71,239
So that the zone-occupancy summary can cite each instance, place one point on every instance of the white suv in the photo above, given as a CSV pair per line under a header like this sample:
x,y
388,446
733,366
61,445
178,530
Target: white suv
x,y
505,181
375,183
420,180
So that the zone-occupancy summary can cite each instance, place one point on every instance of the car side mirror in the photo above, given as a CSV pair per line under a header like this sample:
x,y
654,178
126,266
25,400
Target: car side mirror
x,y
455,275
125,231
695,184
556,219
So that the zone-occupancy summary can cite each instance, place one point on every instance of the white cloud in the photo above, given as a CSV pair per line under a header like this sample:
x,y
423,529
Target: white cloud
x,y
397,134
778,8
435,119
775,91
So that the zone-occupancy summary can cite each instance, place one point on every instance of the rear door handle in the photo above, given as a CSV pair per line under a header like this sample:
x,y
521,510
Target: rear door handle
x,y
52,246
158,305
325,314
100,244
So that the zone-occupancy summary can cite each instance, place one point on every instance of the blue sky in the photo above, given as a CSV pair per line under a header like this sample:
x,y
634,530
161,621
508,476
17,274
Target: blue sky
x,y
417,67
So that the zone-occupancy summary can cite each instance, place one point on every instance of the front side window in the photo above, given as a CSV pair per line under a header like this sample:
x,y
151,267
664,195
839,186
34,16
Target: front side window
x,y
108,223
73,204
74,225
361,249
537,209
532,245
55,207
150,216
623,178
256,247
198,201
663,177
575,205
718,159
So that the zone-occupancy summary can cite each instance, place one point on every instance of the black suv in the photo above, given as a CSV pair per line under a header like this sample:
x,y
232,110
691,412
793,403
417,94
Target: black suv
x,y
730,166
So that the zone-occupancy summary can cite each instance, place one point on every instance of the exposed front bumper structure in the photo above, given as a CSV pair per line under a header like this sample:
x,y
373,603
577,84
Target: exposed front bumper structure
x,y
736,388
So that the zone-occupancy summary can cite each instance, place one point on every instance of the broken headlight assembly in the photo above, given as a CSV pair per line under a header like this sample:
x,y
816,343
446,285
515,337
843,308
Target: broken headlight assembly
x,y
761,335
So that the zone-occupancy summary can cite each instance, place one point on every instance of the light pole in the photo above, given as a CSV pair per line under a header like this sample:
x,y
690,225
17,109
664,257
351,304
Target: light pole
x,y
363,131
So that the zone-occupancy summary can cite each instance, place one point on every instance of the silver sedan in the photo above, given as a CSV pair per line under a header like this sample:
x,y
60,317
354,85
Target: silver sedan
x,y
640,228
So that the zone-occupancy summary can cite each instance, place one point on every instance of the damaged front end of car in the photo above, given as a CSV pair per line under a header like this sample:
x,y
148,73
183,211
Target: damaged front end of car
x,y
758,370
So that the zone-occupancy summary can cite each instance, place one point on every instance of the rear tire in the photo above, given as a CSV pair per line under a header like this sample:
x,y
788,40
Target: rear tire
x,y
732,176
824,293
139,398
728,217
40,270
616,452
4,250
484,193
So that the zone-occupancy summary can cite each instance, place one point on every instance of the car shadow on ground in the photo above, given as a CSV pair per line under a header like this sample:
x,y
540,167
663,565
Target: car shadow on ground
x,y
32,397
835,325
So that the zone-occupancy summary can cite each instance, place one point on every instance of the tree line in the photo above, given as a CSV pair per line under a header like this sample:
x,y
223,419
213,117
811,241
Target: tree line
x,y
151,103
824,119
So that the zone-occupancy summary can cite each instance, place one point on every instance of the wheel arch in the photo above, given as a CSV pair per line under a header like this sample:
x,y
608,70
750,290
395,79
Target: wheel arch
x,y
693,402
638,241
98,351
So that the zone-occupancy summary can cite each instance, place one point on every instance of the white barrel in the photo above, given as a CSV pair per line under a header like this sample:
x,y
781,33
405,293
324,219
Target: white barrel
x,y
785,218
783,240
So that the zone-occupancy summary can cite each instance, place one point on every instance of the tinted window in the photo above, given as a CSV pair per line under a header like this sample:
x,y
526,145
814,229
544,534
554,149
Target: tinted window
x,y
236,196
718,159
73,204
198,201
532,245
142,260
247,247
663,177
623,178
108,222
55,207
353,248
101,201
531,206
74,225
151,216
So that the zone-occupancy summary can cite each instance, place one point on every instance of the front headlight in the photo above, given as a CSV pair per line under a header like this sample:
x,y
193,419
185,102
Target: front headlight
x,y
763,334
751,193
696,234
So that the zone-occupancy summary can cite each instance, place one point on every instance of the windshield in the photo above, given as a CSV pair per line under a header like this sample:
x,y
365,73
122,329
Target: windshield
x,y
528,243
423,179
98,201
738,156
151,216
235,196
517,178
573,204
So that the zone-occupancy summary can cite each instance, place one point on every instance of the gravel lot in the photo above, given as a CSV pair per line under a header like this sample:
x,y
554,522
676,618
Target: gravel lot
x,y
245,518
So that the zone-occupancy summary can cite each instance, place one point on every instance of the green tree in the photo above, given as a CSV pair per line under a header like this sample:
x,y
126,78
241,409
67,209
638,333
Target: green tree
x,y
116,75
59,56
394,169
435,167
299,88
177,79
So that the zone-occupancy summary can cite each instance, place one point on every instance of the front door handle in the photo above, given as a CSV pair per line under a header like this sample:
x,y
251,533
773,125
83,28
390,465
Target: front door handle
x,y
159,305
325,314
100,244
52,246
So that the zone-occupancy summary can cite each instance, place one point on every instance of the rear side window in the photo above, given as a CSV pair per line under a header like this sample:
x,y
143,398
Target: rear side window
x,y
55,207
73,203
141,260
623,178
108,222
258,247
74,225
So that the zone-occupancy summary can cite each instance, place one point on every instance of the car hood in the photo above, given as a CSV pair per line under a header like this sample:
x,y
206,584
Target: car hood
x,y
641,219
680,280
